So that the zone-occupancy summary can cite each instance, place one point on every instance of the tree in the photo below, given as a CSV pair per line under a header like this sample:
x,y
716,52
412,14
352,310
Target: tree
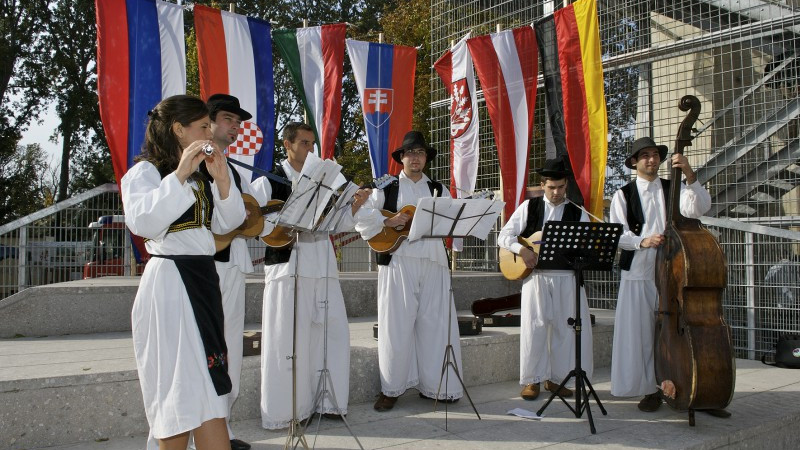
x,y
23,190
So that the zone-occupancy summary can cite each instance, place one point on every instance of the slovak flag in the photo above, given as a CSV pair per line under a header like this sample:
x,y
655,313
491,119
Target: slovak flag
x,y
234,55
141,59
384,76
507,64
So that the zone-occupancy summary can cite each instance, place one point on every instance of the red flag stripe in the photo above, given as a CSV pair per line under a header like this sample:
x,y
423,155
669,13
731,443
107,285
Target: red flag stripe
x,y
212,57
403,70
576,116
332,37
529,63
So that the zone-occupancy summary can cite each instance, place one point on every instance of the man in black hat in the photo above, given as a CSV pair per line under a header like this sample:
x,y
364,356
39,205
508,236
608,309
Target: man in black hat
x,y
413,287
640,206
546,340
233,262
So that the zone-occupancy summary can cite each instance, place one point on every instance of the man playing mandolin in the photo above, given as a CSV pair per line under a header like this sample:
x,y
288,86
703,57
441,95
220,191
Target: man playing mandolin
x,y
547,295
640,206
413,287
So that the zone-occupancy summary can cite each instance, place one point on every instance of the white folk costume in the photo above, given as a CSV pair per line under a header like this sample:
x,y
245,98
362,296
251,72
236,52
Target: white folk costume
x,y
547,341
413,301
183,384
317,282
632,370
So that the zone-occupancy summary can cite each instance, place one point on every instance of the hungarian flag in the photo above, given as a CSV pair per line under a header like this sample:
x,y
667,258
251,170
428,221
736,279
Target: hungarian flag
x,y
507,65
315,58
234,56
141,59
569,42
385,79
455,70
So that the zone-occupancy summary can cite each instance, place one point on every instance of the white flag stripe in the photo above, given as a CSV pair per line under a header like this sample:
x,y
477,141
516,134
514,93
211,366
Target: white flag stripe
x,y
173,49
506,50
465,147
359,52
309,46
241,72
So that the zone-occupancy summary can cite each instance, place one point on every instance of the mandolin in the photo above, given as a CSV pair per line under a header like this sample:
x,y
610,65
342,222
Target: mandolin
x,y
511,264
252,225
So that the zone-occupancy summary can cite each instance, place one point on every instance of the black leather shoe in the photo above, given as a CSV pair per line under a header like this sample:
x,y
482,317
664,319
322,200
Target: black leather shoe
x,y
650,403
441,400
721,413
333,416
238,444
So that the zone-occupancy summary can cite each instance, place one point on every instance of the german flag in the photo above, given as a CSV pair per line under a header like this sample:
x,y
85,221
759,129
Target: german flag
x,y
569,45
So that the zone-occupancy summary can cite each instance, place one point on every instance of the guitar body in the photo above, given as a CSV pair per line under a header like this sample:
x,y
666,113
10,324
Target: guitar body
x,y
281,237
389,239
252,225
511,264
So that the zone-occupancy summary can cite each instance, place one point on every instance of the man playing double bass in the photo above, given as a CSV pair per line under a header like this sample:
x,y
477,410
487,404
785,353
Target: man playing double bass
x,y
640,206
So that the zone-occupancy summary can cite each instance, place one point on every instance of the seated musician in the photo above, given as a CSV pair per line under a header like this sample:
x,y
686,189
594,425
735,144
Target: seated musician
x,y
547,342
413,287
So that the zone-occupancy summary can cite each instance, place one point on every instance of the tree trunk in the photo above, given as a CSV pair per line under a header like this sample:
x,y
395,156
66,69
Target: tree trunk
x,y
66,149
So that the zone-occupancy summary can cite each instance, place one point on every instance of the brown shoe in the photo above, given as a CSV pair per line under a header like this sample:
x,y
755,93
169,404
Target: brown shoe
x,y
384,403
563,392
650,403
530,391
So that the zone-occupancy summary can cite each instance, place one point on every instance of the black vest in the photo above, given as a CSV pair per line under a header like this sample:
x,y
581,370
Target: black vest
x,y
536,215
280,191
635,215
194,217
224,255
390,194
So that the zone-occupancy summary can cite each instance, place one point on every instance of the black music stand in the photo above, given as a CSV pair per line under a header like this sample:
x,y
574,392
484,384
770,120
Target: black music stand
x,y
443,217
578,246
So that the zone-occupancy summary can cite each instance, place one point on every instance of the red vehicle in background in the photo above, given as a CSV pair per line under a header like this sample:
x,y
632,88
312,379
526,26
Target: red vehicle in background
x,y
112,249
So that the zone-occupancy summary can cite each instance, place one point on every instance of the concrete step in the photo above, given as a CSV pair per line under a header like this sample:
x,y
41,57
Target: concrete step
x,y
78,388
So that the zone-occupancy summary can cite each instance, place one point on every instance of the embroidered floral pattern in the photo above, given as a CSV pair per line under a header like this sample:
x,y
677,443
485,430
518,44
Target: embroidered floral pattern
x,y
217,360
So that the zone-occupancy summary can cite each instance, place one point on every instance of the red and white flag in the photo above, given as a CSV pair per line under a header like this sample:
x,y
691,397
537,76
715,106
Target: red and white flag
x,y
455,70
507,66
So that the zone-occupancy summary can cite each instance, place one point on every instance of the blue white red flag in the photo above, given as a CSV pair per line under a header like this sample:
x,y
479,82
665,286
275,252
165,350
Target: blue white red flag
x,y
141,59
234,55
385,79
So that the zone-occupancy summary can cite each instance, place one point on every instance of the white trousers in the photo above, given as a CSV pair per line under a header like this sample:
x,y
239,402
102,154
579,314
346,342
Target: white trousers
x,y
547,341
276,368
632,369
231,283
413,305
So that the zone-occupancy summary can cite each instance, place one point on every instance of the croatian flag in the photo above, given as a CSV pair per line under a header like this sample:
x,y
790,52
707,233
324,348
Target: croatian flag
x,y
507,65
385,79
140,61
234,56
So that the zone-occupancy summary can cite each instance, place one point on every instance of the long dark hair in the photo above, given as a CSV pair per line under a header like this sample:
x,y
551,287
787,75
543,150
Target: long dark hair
x,y
161,146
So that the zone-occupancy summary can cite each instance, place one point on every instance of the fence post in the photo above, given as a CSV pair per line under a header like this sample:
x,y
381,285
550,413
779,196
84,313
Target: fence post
x,y
750,283
22,259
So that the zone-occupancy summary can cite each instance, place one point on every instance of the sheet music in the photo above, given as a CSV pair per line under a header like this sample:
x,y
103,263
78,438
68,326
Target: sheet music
x,y
318,179
333,221
448,217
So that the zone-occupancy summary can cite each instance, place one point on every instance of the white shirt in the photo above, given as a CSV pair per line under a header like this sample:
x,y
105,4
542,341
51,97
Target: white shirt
x,y
695,201
370,220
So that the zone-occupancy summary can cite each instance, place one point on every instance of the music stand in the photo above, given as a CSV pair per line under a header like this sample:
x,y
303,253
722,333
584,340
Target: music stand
x,y
300,213
578,246
443,217
332,222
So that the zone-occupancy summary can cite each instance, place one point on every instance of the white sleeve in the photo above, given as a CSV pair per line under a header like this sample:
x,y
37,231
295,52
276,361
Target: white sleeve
x,y
261,190
369,220
228,213
695,200
513,228
152,203
619,214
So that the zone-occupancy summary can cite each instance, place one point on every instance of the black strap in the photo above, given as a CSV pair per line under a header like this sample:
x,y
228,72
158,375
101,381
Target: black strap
x,y
201,282
279,192
635,216
224,255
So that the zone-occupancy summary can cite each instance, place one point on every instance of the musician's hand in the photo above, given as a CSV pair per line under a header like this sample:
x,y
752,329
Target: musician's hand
x,y
652,241
359,198
218,169
529,256
681,162
668,388
191,157
398,220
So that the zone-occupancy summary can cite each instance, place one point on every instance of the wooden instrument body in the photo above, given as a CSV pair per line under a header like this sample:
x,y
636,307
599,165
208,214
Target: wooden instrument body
x,y
280,237
389,239
253,224
512,266
693,346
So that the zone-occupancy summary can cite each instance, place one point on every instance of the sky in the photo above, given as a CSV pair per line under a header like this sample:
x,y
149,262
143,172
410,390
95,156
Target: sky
x,y
40,134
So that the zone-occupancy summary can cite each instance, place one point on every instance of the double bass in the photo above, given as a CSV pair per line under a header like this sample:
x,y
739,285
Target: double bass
x,y
694,361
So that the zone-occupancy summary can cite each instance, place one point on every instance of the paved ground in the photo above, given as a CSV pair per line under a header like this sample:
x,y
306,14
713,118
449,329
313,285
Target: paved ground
x,y
766,414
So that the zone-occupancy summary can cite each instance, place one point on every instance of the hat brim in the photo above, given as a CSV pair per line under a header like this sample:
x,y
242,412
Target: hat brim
x,y
397,155
243,115
662,154
557,174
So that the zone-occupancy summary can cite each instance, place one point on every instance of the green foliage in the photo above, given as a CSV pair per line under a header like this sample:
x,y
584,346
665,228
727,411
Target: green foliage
x,y
23,190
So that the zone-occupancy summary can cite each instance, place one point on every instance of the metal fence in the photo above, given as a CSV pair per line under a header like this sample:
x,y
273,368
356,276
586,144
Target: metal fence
x,y
739,59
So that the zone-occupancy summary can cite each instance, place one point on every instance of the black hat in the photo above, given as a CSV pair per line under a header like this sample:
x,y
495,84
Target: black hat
x,y
554,168
413,139
641,144
225,102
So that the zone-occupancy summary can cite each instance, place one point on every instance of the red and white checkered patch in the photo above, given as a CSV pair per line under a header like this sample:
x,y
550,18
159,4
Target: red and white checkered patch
x,y
249,141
